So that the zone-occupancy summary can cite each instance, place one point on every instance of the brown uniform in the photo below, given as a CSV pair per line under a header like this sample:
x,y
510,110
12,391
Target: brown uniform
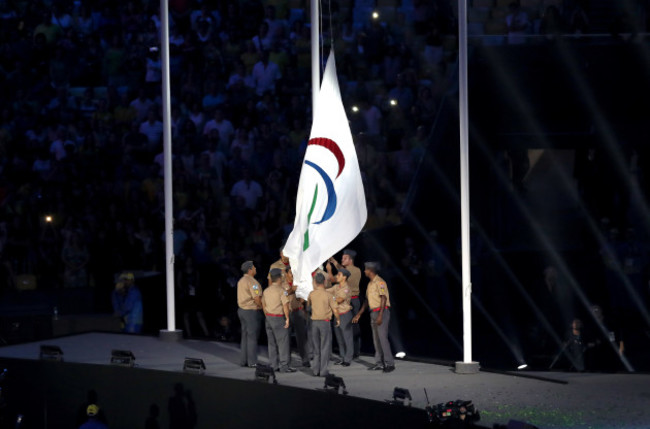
x,y
274,299
343,332
376,289
322,305
247,289
249,317
342,292
294,304
354,280
322,308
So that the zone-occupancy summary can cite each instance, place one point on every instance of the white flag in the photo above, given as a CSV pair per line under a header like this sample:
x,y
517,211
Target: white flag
x,y
331,204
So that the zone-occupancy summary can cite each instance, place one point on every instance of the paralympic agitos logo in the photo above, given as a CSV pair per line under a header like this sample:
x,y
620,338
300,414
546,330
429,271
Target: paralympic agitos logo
x,y
330,208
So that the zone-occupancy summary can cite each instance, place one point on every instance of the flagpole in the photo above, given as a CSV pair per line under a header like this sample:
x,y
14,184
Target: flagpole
x,y
171,333
466,366
315,54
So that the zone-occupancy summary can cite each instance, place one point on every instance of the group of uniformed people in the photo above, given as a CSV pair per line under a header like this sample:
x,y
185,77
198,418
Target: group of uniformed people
x,y
333,304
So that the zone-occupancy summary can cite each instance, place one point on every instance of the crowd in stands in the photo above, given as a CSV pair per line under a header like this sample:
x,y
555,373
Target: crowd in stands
x,y
551,18
81,152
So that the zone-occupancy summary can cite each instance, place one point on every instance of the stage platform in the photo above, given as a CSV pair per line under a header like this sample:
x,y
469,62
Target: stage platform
x,y
226,395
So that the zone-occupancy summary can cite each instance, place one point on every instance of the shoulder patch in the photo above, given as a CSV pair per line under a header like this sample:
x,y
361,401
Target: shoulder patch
x,y
255,287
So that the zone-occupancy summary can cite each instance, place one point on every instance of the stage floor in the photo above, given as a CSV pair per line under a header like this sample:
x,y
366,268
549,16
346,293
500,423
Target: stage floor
x,y
545,399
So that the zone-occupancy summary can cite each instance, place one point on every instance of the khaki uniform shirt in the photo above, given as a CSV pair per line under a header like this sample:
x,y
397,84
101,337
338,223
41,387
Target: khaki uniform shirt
x,y
322,305
354,280
376,288
277,264
340,291
274,299
247,289
294,304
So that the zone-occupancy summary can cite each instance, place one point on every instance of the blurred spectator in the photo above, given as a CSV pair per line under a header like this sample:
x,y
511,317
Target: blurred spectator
x,y
75,259
152,128
93,422
576,15
518,23
247,189
551,24
265,74
263,40
190,286
47,28
127,303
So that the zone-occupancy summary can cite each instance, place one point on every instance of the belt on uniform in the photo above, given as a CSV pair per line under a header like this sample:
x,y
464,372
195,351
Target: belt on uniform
x,y
374,310
275,315
345,312
320,320
354,297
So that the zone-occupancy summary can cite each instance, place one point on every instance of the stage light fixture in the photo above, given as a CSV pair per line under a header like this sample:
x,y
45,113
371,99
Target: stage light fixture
x,y
264,373
522,366
400,355
400,395
122,358
193,365
49,352
334,384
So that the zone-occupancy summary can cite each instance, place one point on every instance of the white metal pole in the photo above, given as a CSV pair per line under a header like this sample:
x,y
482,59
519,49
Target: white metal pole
x,y
167,155
464,183
315,54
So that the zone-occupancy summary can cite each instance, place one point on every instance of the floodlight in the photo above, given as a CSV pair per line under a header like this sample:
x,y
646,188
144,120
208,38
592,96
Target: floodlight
x,y
122,358
49,352
334,383
193,365
264,373
400,395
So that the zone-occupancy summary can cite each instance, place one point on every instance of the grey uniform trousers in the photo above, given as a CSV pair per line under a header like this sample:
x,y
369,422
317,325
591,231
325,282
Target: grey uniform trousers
x,y
383,353
300,326
345,337
251,323
321,335
279,346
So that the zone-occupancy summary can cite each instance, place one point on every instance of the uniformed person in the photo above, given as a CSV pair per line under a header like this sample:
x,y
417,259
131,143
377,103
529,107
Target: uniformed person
x,y
249,301
343,332
275,303
322,307
347,262
378,299
297,316
282,263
